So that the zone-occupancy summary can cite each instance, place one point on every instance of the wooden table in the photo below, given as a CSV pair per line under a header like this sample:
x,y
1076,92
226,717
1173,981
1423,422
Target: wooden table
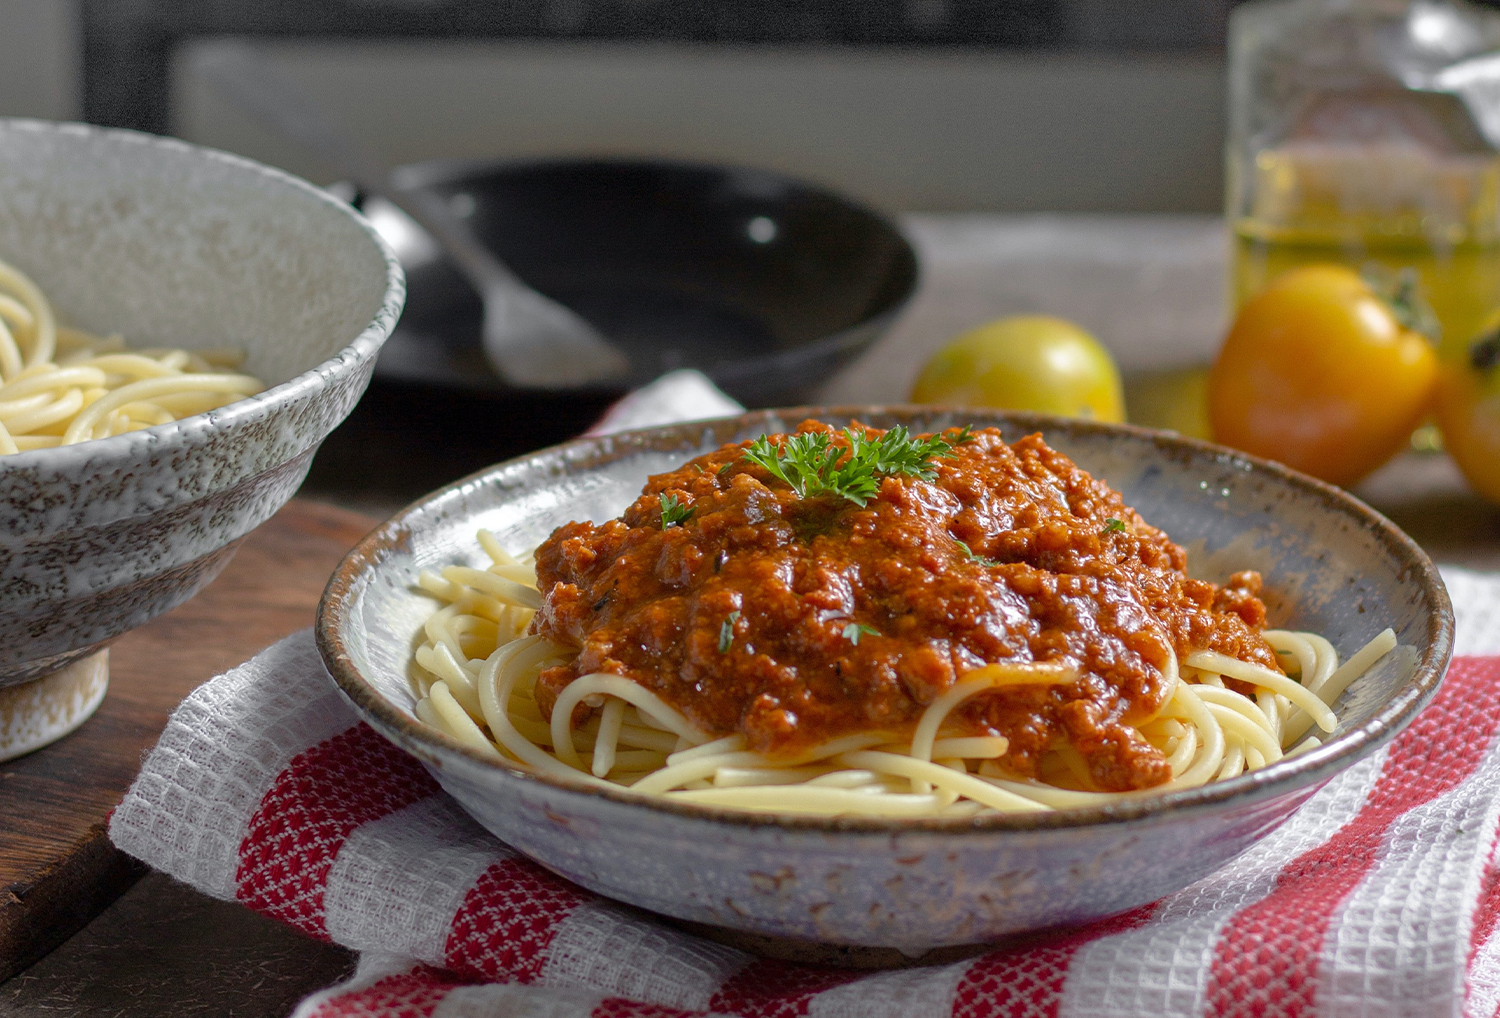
x,y
152,950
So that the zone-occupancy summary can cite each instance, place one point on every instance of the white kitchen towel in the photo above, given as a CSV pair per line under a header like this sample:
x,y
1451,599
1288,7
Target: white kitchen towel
x,y
684,395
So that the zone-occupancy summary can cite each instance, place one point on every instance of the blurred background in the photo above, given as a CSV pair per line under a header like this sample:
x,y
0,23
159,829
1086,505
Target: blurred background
x,y
1058,157
958,107
910,104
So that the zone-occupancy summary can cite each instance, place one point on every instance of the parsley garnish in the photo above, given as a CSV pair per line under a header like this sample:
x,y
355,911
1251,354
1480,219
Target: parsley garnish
x,y
726,633
969,552
673,512
810,464
1114,526
853,631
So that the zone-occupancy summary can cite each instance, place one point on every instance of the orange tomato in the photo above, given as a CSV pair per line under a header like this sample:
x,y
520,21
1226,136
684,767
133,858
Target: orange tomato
x,y
1318,372
1468,409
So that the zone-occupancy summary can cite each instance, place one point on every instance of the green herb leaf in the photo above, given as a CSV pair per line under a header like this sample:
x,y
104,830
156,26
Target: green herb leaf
x,y
1401,290
673,512
726,632
810,464
1114,526
969,553
853,631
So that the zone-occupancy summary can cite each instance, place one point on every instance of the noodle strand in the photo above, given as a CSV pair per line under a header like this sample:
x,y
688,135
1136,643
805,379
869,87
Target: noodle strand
x,y
61,386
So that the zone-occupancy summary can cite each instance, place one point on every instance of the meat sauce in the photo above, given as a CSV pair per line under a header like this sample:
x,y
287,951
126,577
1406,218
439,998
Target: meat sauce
x,y
798,620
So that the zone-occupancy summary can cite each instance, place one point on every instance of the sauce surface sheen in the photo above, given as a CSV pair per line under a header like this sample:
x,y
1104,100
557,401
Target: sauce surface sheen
x,y
798,620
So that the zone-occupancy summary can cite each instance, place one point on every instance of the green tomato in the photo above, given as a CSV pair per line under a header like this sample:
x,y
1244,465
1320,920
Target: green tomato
x,y
1029,362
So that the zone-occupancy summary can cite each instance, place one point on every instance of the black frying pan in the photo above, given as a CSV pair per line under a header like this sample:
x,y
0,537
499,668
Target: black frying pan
x,y
764,283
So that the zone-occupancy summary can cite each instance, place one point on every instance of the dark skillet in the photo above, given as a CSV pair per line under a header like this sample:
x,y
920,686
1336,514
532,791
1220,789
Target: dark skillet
x,y
764,283
674,261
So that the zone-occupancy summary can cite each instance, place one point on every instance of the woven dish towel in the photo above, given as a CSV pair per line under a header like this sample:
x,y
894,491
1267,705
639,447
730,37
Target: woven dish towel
x,y
1378,897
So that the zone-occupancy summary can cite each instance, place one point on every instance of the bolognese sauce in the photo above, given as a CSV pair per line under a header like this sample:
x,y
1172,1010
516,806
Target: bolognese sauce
x,y
795,620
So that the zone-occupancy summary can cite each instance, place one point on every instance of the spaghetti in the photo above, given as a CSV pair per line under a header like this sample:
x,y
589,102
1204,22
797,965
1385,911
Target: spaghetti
x,y
1024,730
59,386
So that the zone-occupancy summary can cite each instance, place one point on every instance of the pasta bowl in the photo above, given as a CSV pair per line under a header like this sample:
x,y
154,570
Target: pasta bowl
x,y
171,245
1330,563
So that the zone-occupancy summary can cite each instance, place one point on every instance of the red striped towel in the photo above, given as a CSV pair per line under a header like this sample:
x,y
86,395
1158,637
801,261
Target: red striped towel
x,y
1378,897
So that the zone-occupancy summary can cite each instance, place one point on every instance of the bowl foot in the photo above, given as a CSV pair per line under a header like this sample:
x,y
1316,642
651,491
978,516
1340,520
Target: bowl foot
x,y
43,710
809,952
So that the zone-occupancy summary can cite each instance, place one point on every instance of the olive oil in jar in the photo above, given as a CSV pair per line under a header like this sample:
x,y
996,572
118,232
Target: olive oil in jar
x,y
1434,214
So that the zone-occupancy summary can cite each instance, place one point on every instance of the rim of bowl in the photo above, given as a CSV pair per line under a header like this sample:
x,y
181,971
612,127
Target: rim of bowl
x,y
439,172
363,346
1282,777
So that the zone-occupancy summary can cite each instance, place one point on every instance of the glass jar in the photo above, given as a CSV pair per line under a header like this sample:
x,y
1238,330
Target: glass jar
x,y
1367,131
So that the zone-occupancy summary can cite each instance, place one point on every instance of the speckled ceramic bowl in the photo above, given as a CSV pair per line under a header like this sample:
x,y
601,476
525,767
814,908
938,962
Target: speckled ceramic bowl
x,y
172,245
1331,564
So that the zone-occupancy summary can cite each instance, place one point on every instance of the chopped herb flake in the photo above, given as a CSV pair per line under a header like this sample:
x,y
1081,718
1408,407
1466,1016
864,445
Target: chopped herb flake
x,y
726,632
854,630
969,553
1114,526
673,512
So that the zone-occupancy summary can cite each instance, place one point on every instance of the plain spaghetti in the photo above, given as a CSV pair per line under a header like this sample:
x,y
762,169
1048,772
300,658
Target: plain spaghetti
x,y
59,386
864,622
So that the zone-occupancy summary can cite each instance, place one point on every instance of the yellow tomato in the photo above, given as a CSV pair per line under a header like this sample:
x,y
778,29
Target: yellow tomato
x,y
1173,399
1468,409
1029,362
1317,372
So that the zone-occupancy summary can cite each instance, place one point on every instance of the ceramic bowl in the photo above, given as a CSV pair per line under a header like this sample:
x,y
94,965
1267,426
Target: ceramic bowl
x,y
172,245
1331,565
